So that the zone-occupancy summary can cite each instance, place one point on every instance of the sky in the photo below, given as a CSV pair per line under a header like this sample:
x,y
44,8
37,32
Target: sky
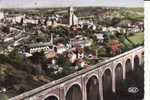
x,y
66,3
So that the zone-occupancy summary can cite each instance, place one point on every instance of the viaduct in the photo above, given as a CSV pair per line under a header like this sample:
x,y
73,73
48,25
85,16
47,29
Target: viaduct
x,y
91,83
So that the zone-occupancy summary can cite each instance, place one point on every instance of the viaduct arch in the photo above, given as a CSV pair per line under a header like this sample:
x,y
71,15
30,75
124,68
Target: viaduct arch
x,y
107,84
118,77
51,98
92,89
74,93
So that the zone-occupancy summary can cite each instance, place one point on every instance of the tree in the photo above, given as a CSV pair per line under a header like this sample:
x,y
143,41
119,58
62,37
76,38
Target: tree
x,y
115,21
62,61
106,21
3,96
14,55
126,37
6,29
2,75
114,46
38,57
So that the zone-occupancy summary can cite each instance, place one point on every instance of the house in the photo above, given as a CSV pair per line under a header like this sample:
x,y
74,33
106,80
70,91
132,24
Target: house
x,y
84,21
15,18
50,54
111,29
19,18
93,27
60,49
8,39
75,20
26,54
72,57
80,55
31,21
1,15
80,63
104,29
79,52
100,37
81,43
37,47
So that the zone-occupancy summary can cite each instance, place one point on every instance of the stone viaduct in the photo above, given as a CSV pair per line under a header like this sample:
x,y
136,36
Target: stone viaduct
x,y
91,83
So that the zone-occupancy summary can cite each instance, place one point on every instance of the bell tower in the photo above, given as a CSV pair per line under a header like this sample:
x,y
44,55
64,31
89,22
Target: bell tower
x,y
70,16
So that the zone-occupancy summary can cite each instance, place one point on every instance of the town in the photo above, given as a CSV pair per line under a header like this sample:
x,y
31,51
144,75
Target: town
x,y
38,46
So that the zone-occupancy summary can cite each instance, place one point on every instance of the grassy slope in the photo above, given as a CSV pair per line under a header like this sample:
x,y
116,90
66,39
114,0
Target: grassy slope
x,y
136,38
140,9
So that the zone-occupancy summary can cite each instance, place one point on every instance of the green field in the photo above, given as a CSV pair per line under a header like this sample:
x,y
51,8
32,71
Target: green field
x,y
139,9
138,38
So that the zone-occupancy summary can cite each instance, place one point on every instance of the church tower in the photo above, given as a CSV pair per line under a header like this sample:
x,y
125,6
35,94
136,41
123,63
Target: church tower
x,y
70,16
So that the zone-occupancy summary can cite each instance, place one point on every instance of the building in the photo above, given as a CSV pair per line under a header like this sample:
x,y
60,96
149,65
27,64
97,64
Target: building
x,y
81,43
71,13
100,37
72,18
50,54
1,15
60,49
38,47
72,57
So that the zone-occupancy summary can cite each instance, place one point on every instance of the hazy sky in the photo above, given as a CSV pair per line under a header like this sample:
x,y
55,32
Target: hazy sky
x,y
64,3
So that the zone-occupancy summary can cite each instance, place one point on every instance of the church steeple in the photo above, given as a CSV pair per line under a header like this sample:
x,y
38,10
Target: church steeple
x,y
70,16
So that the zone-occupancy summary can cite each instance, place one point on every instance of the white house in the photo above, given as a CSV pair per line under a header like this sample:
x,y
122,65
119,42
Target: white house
x,y
37,47
80,55
1,15
80,63
82,43
72,57
60,49
19,18
8,39
100,36
75,20
104,29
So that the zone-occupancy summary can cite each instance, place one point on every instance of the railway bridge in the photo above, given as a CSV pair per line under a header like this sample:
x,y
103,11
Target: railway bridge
x,y
93,83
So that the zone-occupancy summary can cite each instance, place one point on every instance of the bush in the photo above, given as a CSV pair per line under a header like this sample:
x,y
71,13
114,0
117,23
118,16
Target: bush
x,y
103,52
63,61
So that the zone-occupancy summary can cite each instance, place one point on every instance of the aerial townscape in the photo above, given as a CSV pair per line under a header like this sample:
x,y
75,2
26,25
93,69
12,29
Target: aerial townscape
x,y
38,46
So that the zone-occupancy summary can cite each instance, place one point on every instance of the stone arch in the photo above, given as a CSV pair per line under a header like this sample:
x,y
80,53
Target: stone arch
x,y
118,76
51,97
107,68
92,88
74,93
136,62
91,75
107,84
128,67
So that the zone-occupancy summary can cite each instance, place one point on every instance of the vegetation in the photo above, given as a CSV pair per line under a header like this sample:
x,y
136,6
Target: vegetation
x,y
63,61
19,74
139,9
15,74
137,38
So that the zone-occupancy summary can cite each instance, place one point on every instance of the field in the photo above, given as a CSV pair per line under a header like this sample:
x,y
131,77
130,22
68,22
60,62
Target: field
x,y
137,38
